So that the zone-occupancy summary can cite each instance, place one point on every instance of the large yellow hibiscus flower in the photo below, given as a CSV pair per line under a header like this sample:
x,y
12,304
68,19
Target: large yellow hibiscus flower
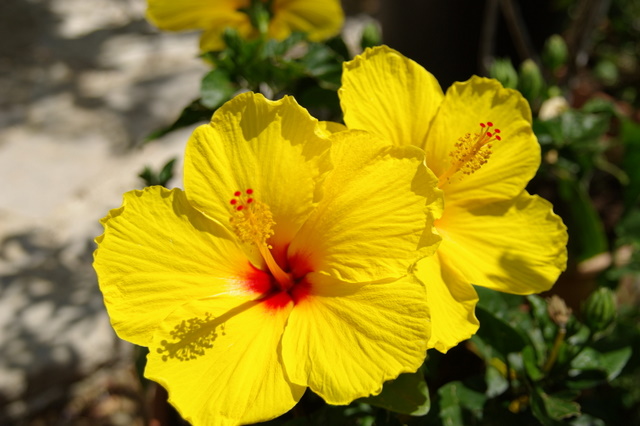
x,y
478,141
320,19
284,264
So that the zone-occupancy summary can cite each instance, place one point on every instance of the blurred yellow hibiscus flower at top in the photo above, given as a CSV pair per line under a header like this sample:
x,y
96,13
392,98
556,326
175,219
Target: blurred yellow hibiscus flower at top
x,y
319,19
478,141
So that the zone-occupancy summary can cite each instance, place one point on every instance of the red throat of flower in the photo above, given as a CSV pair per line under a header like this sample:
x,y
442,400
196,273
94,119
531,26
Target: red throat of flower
x,y
253,223
471,152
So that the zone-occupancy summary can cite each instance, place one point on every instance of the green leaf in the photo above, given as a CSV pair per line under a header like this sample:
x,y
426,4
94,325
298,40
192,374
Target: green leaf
x,y
497,384
587,237
498,303
166,173
611,363
560,408
454,396
499,334
408,394
216,89
531,364
630,137
550,410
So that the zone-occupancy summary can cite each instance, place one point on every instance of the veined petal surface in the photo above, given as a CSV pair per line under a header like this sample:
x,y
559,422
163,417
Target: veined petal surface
x,y
218,359
377,202
274,148
514,159
515,246
344,340
157,252
320,19
452,302
192,14
390,95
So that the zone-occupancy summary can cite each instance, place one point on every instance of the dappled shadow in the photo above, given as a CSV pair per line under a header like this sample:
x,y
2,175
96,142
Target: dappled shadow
x,y
37,62
54,330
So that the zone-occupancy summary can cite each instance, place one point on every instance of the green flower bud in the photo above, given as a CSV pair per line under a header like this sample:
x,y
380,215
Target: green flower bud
x,y
607,72
599,310
555,52
370,36
503,71
531,82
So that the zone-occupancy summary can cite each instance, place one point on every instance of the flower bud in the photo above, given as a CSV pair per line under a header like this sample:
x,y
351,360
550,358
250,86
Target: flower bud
x,y
555,52
558,311
370,35
531,82
599,310
503,71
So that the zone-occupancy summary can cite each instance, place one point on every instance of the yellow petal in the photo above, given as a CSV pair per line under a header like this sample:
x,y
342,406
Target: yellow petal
x,y
378,201
218,359
514,159
388,94
516,246
274,148
158,252
452,302
331,127
344,340
193,14
320,19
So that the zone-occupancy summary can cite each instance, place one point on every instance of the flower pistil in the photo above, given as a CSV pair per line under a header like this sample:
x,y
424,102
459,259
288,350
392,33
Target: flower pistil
x,y
470,153
253,223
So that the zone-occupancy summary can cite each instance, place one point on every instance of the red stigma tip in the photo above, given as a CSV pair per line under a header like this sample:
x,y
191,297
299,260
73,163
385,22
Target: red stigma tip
x,y
490,124
237,193
249,200
497,130
239,208
498,138
249,191
234,201
481,124
489,134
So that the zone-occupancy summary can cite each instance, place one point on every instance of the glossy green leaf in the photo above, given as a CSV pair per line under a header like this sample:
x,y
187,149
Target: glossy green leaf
x,y
216,88
560,408
454,397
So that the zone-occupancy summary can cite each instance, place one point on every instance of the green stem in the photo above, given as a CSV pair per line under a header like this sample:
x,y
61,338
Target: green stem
x,y
562,332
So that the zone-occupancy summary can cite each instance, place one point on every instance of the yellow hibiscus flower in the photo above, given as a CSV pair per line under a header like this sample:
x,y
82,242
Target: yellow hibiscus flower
x,y
284,264
478,141
320,19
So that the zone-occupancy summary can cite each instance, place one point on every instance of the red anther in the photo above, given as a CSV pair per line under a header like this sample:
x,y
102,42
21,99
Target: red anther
x,y
237,193
498,138
489,134
249,191
497,130
239,208
481,124
490,124
234,201
249,200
